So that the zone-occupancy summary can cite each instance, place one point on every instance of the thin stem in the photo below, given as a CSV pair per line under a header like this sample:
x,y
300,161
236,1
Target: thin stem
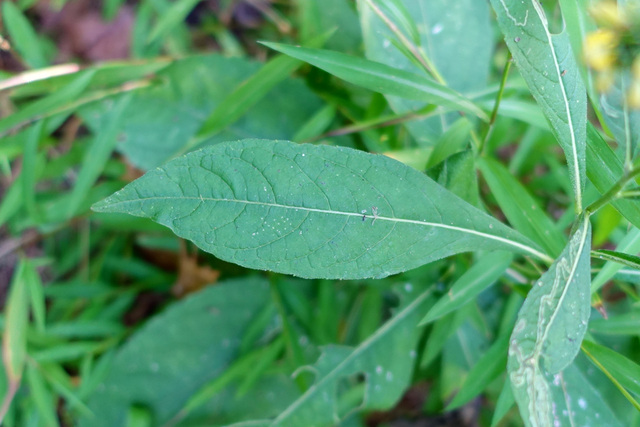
x,y
417,54
496,106
614,192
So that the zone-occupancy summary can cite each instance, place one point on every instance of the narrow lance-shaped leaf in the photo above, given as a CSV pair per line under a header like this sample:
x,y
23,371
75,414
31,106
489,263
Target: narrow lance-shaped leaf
x,y
311,211
623,370
629,244
381,77
480,276
550,328
548,65
621,258
14,339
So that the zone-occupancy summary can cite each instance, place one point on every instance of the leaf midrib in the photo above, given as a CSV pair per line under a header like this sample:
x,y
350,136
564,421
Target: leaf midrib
x,y
521,246
563,90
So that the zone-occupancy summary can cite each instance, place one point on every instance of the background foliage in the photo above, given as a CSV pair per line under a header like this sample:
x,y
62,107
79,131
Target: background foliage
x,y
470,175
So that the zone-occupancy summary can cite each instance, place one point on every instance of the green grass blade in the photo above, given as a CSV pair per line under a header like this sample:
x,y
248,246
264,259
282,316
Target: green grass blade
x,y
31,169
14,338
49,103
252,90
504,404
171,18
604,169
632,261
625,371
549,67
520,208
381,78
97,154
550,327
480,276
488,368
629,244
43,398
23,36
311,211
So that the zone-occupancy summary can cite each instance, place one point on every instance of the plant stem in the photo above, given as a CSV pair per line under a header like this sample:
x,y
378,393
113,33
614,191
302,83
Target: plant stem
x,y
417,54
494,113
614,192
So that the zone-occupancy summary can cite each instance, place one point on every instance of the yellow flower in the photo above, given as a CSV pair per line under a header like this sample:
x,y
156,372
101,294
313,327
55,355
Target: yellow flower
x,y
606,14
600,49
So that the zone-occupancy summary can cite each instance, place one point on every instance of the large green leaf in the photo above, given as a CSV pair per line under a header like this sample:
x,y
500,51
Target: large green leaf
x,y
548,65
550,328
453,34
177,352
311,211
381,78
386,359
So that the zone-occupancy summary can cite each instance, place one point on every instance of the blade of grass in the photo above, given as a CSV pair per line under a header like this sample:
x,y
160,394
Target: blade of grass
x,y
171,18
249,92
97,154
14,340
632,261
23,36
611,363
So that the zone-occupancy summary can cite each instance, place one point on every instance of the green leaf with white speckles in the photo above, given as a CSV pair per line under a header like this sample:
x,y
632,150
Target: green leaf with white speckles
x,y
547,63
311,211
550,328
